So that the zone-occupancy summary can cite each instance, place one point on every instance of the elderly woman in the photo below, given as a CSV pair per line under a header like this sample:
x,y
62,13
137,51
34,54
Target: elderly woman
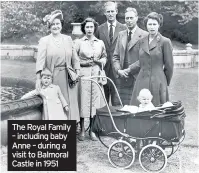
x,y
56,52
155,63
92,55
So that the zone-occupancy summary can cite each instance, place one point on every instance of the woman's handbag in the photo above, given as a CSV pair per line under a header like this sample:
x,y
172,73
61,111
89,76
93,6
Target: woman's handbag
x,y
102,81
72,77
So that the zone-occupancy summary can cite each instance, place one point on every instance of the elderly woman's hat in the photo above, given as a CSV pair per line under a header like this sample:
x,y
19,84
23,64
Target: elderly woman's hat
x,y
50,17
46,72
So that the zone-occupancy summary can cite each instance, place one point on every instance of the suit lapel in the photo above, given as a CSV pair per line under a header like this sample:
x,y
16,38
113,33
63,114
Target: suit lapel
x,y
154,42
145,45
123,43
105,31
117,29
136,37
124,39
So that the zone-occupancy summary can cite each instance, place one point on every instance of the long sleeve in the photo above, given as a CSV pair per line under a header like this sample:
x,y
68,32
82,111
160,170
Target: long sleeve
x,y
61,97
77,48
30,94
76,44
134,68
97,33
103,57
75,59
168,60
116,58
41,55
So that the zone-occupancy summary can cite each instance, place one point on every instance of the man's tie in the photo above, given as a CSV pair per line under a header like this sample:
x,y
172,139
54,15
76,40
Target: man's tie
x,y
129,36
111,33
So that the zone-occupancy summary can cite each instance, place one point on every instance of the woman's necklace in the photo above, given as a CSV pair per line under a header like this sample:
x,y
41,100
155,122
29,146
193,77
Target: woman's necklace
x,y
57,40
91,42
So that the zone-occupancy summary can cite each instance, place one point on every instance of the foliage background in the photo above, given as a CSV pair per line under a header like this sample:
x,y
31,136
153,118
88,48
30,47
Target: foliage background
x,y
24,19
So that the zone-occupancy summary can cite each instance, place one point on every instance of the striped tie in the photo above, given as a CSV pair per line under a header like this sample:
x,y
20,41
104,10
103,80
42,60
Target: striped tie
x,y
129,36
111,33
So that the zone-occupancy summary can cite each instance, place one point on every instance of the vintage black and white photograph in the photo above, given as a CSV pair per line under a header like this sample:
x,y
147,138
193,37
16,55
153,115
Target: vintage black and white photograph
x,y
125,72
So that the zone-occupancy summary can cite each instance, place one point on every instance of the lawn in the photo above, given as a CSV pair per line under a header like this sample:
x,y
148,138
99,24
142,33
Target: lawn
x,y
92,156
184,87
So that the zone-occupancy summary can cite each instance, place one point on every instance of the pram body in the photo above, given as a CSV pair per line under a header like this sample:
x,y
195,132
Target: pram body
x,y
166,123
145,134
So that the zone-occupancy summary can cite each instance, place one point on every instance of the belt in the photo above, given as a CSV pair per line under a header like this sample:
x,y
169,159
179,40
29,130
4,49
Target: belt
x,y
90,64
86,65
61,67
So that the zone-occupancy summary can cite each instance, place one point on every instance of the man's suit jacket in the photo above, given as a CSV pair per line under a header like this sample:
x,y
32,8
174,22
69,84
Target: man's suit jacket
x,y
103,34
132,49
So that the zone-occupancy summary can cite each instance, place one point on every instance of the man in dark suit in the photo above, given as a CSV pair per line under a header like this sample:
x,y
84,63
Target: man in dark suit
x,y
126,53
108,33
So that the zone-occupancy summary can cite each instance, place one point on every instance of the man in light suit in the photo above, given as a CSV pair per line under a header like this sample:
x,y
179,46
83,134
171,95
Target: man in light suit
x,y
108,33
126,53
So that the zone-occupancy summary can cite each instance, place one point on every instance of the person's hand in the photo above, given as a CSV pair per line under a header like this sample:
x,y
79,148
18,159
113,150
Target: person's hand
x,y
98,62
127,70
77,72
123,73
66,108
89,62
38,85
42,94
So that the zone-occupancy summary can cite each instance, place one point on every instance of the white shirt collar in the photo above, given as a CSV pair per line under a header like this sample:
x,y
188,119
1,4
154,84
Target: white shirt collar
x,y
114,24
133,30
49,86
85,38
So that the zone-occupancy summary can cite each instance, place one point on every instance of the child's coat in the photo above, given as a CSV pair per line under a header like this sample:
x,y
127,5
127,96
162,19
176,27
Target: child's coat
x,y
53,100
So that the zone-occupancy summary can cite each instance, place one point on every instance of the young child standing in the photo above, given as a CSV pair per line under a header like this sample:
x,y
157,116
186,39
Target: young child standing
x,y
145,98
54,103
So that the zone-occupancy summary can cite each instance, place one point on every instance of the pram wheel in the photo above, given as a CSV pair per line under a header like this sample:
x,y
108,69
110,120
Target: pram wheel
x,y
109,138
152,158
167,146
121,154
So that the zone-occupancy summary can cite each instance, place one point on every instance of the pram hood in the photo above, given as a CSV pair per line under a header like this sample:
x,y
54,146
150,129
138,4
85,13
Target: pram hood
x,y
172,113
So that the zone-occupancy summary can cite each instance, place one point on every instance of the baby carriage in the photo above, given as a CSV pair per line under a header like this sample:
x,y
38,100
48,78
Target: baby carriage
x,y
152,136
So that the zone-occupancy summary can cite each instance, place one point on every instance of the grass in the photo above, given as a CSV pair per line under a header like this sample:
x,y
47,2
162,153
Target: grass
x,y
184,87
92,156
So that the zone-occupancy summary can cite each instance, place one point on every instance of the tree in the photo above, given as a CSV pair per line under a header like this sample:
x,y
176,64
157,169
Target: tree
x,y
20,19
187,10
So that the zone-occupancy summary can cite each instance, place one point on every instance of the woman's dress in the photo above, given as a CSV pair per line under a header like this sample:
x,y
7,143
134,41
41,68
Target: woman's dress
x,y
90,96
156,69
56,57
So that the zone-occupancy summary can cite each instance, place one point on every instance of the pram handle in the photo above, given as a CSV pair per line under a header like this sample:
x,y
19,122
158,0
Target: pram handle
x,y
91,78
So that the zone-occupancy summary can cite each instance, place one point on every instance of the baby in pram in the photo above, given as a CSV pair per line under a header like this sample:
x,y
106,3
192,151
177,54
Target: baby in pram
x,y
145,98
